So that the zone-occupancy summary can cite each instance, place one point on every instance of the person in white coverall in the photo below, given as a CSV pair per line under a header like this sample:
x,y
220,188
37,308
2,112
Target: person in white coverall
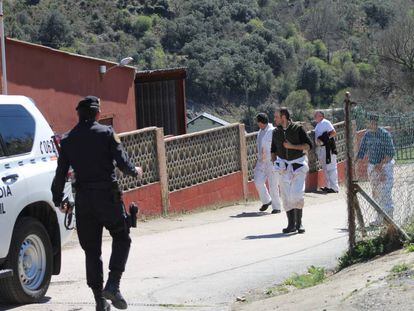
x,y
264,170
326,151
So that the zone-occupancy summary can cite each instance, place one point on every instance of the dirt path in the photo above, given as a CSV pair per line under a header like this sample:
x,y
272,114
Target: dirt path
x,y
367,286
203,261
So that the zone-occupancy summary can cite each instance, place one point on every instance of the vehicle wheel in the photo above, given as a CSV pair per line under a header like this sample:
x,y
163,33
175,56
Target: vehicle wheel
x,y
30,258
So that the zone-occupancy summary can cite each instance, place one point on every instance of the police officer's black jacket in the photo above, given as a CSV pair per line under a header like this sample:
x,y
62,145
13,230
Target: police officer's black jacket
x,y
92,150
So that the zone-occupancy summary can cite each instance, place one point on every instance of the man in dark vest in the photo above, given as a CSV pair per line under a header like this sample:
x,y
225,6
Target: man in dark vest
x,y
92,150
290,143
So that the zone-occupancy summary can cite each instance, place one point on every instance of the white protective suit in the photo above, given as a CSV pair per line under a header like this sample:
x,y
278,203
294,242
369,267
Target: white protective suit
x,y
292,182
264,169
330,170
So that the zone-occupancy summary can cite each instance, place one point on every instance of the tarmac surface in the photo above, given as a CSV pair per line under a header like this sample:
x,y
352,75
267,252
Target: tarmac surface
x,y
205,260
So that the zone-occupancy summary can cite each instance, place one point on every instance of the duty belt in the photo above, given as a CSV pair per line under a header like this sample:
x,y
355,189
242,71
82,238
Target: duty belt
x,y
100,185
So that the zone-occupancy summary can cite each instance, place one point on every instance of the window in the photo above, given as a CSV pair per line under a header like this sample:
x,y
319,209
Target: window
x,y
2,154
17,130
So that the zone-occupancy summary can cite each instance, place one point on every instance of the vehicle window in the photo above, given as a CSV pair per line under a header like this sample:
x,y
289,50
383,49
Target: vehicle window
x,y
2,154
17,129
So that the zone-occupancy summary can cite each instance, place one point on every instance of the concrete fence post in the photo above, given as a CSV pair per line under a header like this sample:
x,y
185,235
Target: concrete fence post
x,y
243,160
162,169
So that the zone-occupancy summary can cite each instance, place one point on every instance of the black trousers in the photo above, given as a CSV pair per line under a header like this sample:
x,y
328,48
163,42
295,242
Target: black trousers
x,y
96,209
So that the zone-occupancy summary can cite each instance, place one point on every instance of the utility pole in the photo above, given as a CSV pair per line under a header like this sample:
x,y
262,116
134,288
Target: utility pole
x,y
3,51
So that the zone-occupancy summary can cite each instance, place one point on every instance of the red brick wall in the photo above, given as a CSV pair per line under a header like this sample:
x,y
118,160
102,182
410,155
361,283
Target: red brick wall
x,y
148,198
227,189
252,191
222,190
57,81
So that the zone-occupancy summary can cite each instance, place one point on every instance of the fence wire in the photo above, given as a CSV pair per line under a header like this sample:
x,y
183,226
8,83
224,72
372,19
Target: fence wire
x,y
384,170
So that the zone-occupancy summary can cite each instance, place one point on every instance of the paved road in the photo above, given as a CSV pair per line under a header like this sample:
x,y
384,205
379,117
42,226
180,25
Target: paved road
x,y
203,261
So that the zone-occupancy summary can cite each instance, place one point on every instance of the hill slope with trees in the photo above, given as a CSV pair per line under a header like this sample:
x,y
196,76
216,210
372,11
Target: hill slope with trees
x,y
242,53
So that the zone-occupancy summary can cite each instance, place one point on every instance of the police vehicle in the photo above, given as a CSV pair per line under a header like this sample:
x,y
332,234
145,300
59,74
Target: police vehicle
x,y
32,230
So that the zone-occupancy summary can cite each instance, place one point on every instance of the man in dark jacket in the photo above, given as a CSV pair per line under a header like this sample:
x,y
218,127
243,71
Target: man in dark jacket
x,y
92,150
290,143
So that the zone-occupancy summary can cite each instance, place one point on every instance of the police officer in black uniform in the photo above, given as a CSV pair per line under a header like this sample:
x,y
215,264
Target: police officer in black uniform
x,y
93,150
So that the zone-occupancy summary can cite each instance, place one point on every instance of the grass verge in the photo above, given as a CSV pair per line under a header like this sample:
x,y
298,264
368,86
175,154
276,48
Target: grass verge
x,y
410,247
315,275
400,268
368,249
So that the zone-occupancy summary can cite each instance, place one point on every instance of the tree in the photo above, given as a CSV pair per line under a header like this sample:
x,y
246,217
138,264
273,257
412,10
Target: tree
x,y
321,20
55,31
397,43
299,103
309,77
378,12
243,12
275,58
320,49
350,74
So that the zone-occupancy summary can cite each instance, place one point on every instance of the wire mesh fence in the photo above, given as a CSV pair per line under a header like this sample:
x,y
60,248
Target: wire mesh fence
x,y
384,174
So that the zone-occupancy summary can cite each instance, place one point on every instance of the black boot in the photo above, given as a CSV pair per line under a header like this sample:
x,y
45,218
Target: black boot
x,y
291,222
111,290
101,303
299,226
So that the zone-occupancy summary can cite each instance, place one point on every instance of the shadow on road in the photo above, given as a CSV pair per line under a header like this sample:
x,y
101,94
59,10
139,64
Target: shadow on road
x,y
250,214
11,307
342,229
267,236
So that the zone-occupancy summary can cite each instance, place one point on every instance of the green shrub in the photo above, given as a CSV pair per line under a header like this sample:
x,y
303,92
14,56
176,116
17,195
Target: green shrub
x,y
315,275
366,250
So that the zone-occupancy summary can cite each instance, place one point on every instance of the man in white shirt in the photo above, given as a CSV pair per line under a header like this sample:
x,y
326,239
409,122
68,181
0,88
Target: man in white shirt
x,y
326,151
264,169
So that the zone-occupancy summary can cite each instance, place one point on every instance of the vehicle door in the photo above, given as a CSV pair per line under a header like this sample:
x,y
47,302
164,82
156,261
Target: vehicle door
x,y
17,131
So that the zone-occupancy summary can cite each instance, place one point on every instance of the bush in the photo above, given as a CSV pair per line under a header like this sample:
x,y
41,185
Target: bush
x,y
141,25
320,49
410,248
314,277
340,58
366,71
400,268
366,250
255,23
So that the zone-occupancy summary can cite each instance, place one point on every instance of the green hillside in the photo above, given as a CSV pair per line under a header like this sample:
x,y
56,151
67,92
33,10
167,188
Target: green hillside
x,y
302,54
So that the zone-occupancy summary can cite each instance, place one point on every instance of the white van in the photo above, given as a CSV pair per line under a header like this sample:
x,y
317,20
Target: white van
x,y
32,230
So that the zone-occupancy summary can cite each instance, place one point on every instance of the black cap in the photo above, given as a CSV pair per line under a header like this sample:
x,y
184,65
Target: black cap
x,y
89,102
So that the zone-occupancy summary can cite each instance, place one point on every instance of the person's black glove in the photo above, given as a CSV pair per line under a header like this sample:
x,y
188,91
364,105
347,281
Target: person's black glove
x,y
57,199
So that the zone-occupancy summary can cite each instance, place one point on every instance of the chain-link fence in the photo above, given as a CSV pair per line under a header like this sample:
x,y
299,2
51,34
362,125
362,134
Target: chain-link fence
x,y
383,173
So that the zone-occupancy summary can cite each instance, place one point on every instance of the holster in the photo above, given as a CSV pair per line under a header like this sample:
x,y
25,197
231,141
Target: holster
x,y
132,215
